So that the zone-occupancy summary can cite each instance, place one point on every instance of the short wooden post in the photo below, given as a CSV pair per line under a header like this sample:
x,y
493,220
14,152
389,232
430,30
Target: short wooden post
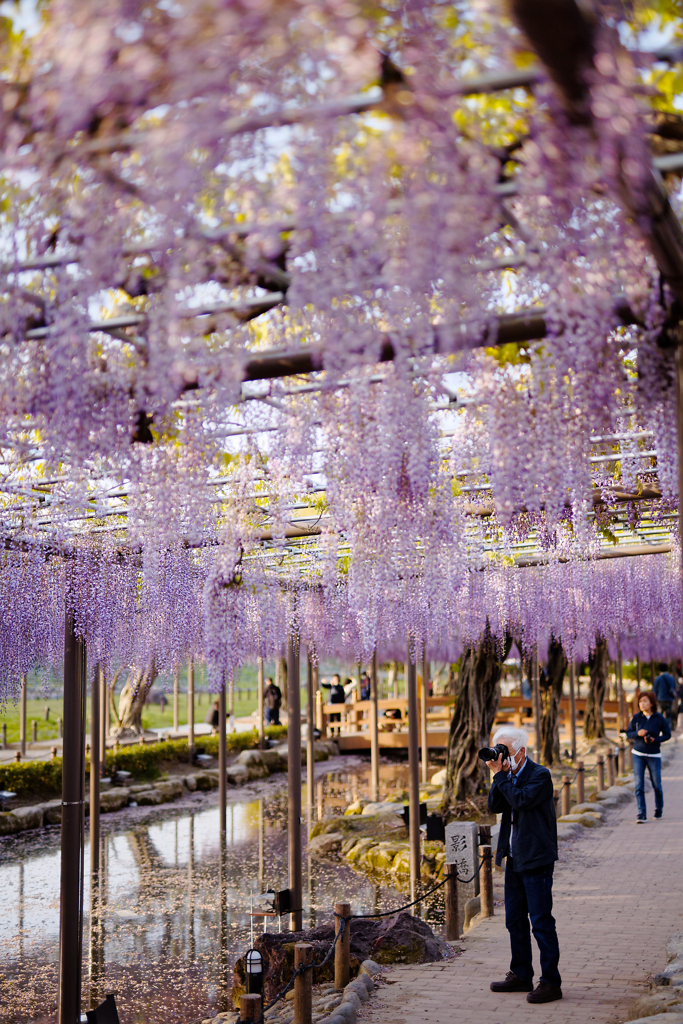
x,y
53,752
610,767
250,1007
566,793
17,755
580,790
60,729
630,757
34,731
303,983
342,951
486,885
601,773
622,758
4,735
451,903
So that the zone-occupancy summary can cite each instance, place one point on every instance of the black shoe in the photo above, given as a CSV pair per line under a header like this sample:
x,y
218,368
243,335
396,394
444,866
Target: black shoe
x,y
641,821
544,993
512,984
658,814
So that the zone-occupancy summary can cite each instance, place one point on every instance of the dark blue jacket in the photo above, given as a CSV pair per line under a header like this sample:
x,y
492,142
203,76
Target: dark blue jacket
x,y
657,727
529,806
665,687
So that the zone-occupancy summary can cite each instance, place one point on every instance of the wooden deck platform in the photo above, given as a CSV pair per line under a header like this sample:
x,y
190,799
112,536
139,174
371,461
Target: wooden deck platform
x,y
352,741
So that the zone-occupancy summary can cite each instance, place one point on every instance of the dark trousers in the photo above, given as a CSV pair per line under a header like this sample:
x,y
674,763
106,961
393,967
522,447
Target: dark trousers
x,y
529,897
272,716
654,766
665,706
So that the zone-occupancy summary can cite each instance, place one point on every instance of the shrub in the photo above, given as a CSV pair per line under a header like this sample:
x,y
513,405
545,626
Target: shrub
x,y
43,779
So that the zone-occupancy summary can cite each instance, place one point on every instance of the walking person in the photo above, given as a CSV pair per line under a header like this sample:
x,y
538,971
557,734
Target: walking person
x,y
337,696
648,730
272,702
665,691
523,792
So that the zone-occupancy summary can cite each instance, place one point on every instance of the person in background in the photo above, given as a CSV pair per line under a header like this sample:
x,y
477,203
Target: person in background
x,y
272,702
365,686
212,718
337,696
648,729
666,693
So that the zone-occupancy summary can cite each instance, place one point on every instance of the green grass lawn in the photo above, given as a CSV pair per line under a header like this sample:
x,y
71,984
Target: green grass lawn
x,y
154,716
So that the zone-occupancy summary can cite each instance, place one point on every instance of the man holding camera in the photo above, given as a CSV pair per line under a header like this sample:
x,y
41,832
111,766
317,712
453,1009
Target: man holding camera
x,y
523,792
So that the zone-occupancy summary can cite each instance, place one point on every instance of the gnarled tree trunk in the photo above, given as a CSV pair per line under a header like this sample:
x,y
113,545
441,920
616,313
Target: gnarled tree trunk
x,y
594,723
132,701
478,697
551,680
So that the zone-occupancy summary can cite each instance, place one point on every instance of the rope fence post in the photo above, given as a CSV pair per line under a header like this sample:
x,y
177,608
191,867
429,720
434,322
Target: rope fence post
x,y
622,758
451,903
303,983
610,766
601,773
580,783
342,950
486,884
566,793
250,1008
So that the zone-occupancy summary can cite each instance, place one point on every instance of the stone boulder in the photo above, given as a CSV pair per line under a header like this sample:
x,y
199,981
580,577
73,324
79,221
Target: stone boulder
x,y
172,789
439,778
620,793
384,807
660,1001
30,817
390,940
581,808
206,780
190,783
237,775
369,968
568,829
114,799
9,823
52,812
586,820
327,844
149,798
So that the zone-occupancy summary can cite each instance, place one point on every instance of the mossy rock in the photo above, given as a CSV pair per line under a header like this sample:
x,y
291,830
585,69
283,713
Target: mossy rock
x,y
359,849
409,953
401,866
382,856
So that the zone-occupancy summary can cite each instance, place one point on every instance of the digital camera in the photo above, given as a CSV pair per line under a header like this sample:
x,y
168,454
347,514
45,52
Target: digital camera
x,y
493,753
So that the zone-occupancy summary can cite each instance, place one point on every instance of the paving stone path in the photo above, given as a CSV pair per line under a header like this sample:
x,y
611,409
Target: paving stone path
x,y
618,899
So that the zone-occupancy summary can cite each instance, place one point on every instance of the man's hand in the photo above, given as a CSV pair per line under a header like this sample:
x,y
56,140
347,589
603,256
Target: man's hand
x,y
642,732
498,766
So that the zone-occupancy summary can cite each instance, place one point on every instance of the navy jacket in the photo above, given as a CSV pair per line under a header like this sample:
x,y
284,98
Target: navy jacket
x,y
658,731
665,687
529,806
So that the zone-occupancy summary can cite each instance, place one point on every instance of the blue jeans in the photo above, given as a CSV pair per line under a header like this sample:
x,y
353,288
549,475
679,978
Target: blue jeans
x,y
529,897
272,716
654,765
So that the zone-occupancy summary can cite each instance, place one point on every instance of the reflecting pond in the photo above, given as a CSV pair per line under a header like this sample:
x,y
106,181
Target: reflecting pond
x,y
173,915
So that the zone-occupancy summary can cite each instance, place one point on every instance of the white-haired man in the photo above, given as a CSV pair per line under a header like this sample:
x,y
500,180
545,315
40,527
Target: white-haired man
x,y
523,792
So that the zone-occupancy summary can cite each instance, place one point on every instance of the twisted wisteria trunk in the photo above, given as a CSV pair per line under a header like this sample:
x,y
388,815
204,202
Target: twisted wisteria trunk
x,y
476,704
551,680
132,701
594,723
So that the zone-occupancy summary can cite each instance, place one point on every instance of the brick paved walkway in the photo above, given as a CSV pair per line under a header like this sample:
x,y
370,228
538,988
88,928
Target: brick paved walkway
x,y
617,900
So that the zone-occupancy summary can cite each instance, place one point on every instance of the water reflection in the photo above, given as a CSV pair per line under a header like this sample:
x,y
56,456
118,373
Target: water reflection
x,y
168,913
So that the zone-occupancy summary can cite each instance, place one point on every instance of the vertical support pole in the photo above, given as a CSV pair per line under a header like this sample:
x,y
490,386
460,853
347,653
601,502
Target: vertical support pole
x,y
261,845
537,708
294,780
22,718
190,709
572,707
566,794
601,773
175,700
486,885
580,783
231,703
310,743
72,845
423,717
222,765
413,775
451,903
342,951
259,684
621,719
95,758
104,693
374,733
621,759
320,717
303,983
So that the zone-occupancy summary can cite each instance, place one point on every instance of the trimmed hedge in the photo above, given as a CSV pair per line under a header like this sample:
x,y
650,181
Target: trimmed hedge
x,y
43,779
